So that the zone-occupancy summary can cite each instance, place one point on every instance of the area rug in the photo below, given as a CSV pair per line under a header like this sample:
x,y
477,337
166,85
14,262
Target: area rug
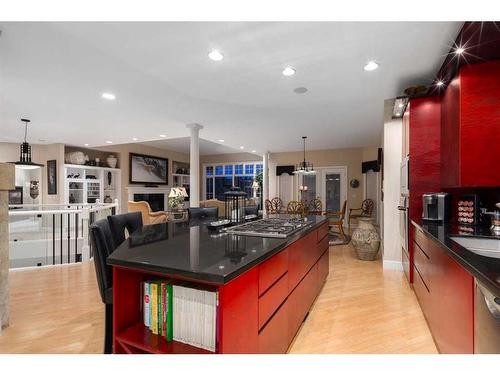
x,y
337,239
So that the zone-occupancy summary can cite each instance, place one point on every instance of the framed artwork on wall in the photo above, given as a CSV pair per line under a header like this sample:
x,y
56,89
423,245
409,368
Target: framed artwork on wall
x,y
146,169
51,177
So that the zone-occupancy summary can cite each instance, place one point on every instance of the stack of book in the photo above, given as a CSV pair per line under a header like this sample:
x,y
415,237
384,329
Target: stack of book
x,y
181,313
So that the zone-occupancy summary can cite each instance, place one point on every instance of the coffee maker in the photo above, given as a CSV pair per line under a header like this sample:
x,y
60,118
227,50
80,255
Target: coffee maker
x,y
436,207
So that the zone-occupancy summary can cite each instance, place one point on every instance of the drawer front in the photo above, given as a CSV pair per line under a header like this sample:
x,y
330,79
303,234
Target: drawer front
x,y
273,339
272,269
425,243
406,264
322,231
422,264
272,299
323,268
323,245
303,256
301,299
423,294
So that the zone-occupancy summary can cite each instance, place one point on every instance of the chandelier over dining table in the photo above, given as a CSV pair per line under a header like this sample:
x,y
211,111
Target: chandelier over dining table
x,y
304,167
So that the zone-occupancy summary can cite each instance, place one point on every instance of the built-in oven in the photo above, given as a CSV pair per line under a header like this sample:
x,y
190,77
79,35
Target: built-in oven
x,y
403,233
405,176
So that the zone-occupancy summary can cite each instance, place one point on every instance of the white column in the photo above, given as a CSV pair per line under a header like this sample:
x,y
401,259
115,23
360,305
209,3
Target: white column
x,y
194,165
265,177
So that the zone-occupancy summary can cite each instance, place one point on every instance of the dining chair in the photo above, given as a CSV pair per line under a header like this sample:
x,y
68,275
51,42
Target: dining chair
x,y
119,223
365,210
148,216
316,207
336,219
295,208
198,213
103,245
277,205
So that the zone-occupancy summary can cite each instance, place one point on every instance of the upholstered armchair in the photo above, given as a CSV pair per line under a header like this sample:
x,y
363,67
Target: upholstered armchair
x,y
148,217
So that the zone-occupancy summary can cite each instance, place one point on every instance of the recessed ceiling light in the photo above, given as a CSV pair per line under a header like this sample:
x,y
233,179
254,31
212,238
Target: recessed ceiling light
x,y
109,142
86,145
162,135
288,71
134,139
460,50
439,83
300,90
221,140
254,150
215,55
398,114
371,65
108,96
242,147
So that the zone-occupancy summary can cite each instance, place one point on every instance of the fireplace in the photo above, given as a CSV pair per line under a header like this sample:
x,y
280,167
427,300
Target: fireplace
x,y
157,197
156,200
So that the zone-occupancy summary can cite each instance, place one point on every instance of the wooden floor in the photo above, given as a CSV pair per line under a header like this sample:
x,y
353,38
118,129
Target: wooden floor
x,y
362,309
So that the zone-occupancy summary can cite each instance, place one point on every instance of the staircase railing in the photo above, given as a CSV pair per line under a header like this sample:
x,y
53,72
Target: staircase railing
x,y
51,234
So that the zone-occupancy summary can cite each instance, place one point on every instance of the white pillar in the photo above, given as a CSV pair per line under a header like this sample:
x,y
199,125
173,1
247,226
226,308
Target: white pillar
x,y
194,165
265,177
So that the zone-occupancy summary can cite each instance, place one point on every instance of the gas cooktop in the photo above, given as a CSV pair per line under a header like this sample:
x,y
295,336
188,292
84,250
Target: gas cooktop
x,y
272,227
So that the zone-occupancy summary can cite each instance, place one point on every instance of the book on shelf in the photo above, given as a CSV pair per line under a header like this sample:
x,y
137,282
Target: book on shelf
x,y
182,313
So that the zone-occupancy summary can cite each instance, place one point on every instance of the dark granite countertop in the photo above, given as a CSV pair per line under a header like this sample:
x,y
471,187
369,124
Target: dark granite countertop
x,y
485,269
191,250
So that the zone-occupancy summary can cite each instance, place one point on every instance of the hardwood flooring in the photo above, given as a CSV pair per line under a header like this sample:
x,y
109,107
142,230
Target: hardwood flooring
x,y
362,309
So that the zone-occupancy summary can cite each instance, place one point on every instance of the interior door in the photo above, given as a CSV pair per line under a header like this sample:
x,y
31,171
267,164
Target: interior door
x,y
333,188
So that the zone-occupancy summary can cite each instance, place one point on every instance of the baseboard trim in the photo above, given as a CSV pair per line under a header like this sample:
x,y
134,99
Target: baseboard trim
x,y
392,265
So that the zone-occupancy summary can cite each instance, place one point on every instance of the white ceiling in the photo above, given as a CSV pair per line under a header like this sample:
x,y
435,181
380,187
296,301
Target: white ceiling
x,y
54,74
182,145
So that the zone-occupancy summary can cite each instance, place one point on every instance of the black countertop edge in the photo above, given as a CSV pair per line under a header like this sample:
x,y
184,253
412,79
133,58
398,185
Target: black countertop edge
x,y
485,269
212,278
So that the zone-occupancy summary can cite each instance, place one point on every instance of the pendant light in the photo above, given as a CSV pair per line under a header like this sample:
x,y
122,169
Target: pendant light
x,y
304,167
25,152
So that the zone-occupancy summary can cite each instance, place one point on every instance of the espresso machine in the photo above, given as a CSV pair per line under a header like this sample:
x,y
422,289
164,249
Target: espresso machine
x,y
436,207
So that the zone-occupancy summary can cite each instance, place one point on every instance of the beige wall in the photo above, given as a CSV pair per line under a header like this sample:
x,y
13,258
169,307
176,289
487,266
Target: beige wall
x,y
349,157
123,151
40,154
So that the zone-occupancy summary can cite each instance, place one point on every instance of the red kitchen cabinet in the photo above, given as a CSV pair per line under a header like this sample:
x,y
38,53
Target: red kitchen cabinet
x,y
471,127
425,158
445,291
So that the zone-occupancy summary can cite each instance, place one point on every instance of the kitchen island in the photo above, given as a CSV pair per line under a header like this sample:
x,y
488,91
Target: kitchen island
x,y
265,286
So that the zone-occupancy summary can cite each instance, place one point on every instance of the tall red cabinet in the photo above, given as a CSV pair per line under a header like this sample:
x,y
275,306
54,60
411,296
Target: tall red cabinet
x,y
471,127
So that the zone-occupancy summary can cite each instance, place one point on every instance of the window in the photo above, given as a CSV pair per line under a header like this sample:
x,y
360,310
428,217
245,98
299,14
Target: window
x,y
228,169
258,168
221,178
249,169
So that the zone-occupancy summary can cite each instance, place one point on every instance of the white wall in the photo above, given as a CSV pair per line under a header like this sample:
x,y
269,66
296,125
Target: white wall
x,y
392,145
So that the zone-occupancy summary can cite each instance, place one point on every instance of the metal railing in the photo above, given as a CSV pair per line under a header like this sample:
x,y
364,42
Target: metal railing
x,y
51,234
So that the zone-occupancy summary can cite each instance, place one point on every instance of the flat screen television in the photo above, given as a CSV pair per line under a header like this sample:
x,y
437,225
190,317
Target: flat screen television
x,y
16,195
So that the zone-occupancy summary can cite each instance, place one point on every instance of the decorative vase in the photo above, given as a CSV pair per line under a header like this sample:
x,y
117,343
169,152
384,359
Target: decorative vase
x,y
76,157
34,192
112,160
107,199
366,240
109,178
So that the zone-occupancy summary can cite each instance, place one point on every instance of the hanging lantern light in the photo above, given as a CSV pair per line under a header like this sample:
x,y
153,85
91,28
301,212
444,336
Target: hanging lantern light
x,y
304,167
25,161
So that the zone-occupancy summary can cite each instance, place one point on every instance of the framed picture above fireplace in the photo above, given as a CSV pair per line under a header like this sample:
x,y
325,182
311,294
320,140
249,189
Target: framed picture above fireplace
x,y
146,169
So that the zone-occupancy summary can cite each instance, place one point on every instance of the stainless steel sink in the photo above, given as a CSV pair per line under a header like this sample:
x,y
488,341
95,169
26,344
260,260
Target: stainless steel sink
x,y
487,247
